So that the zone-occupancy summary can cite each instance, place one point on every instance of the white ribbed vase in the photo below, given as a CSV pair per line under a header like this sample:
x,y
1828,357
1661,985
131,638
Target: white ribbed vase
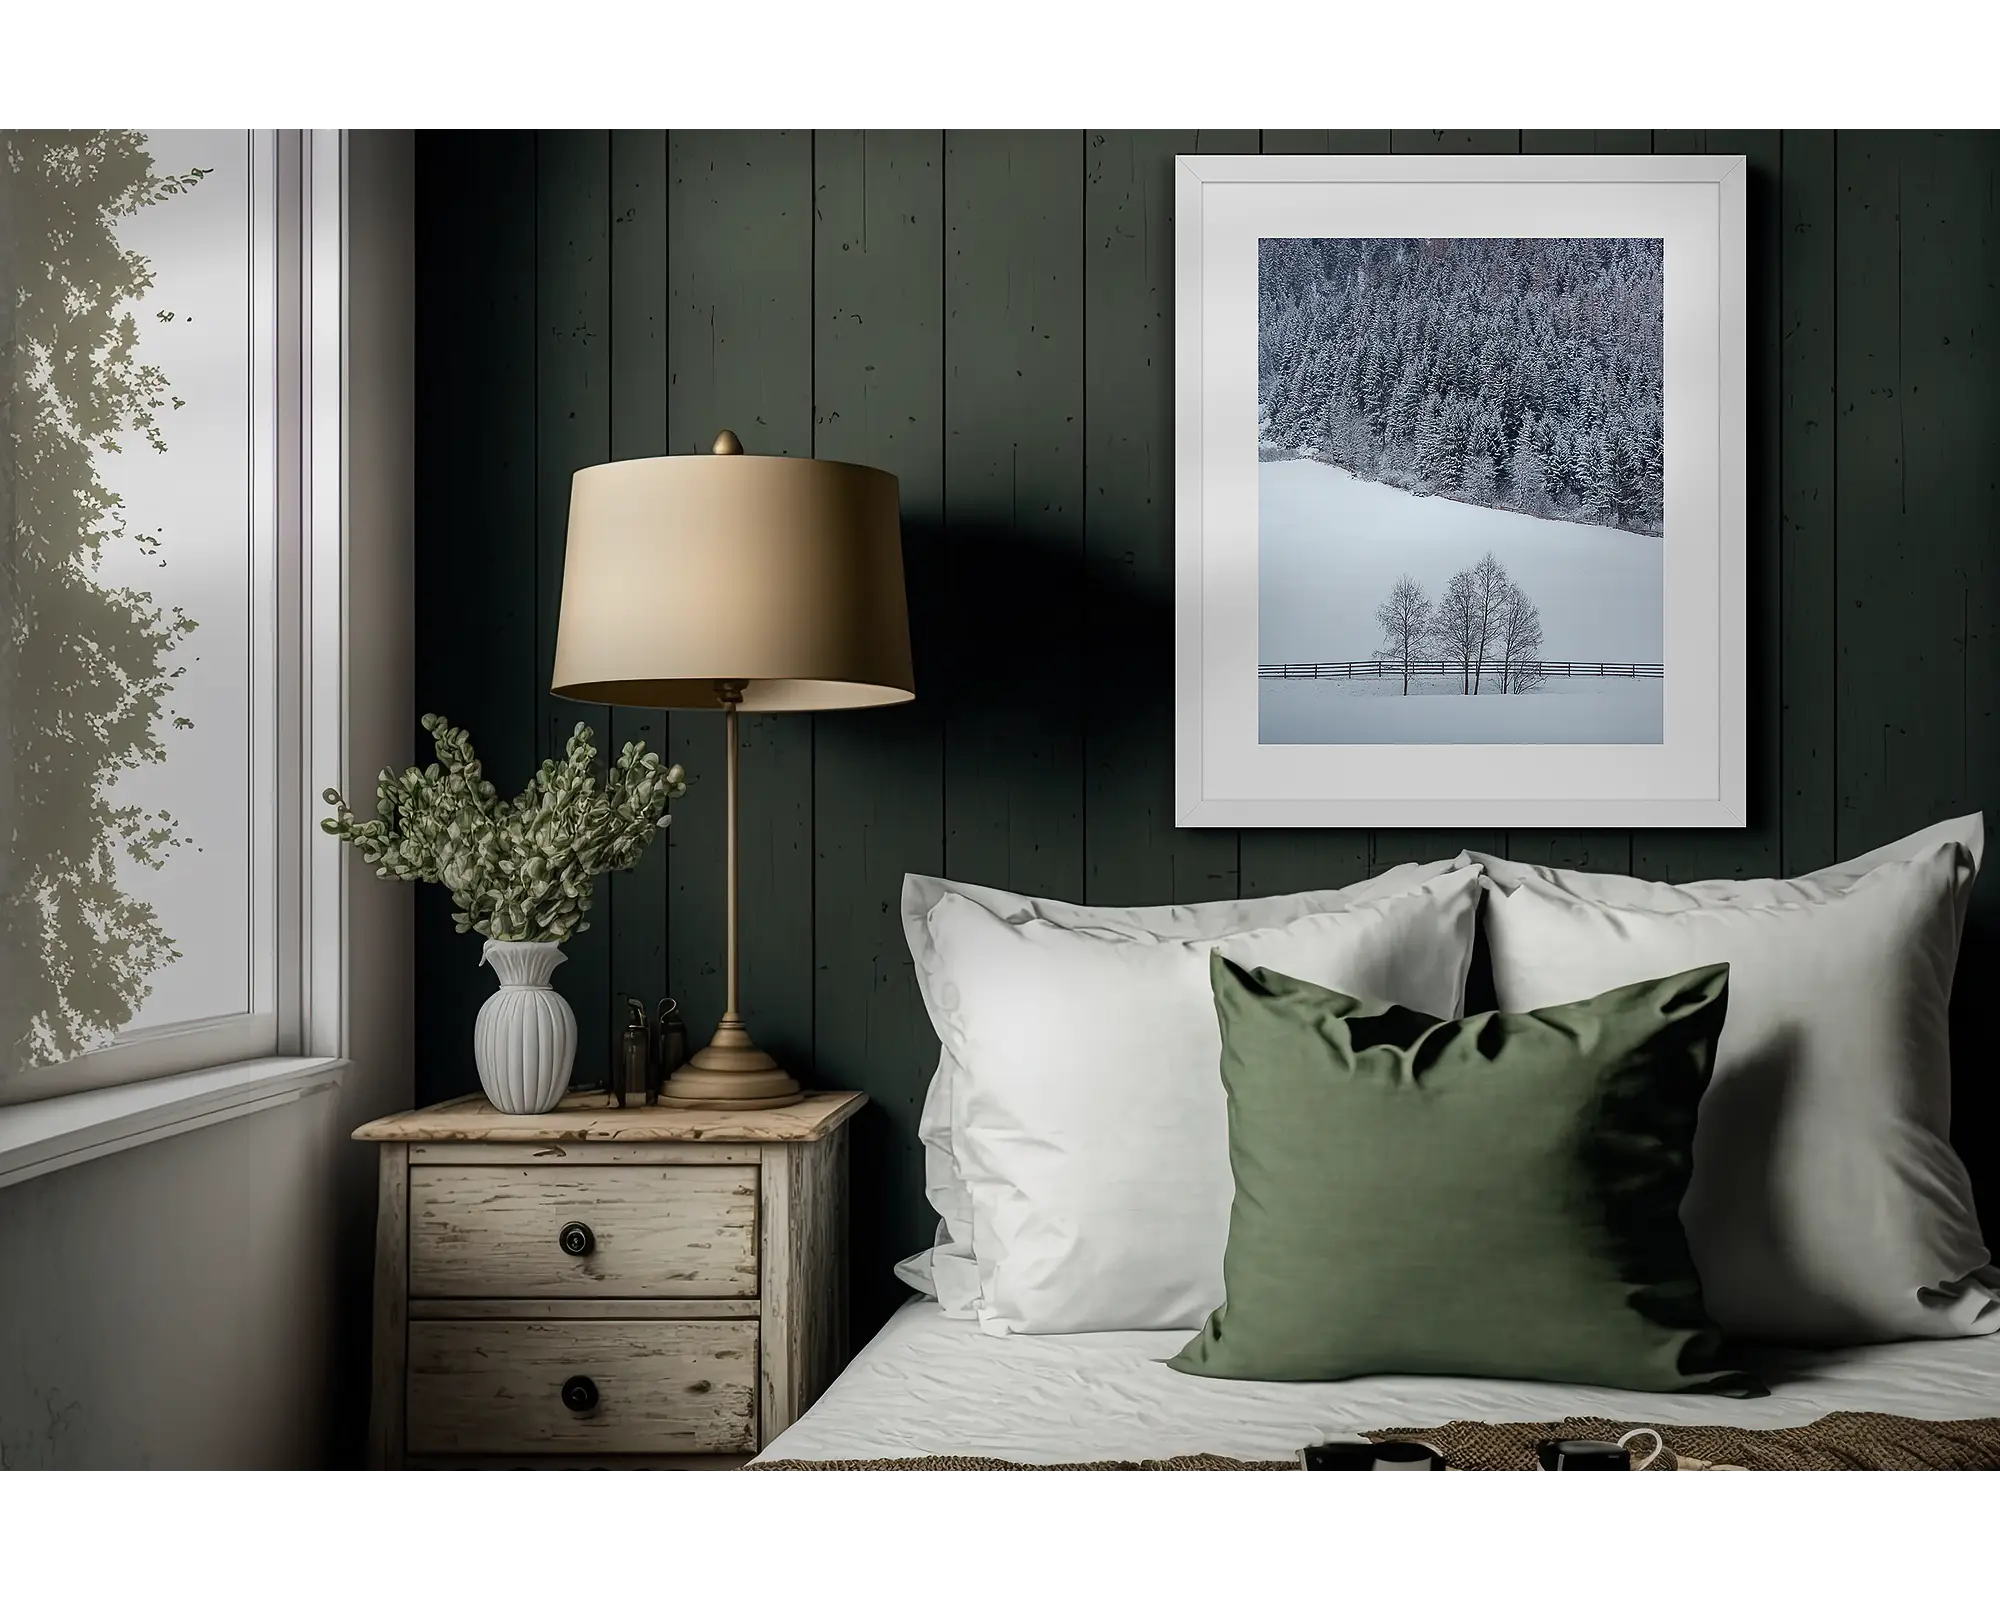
x,y
525,1037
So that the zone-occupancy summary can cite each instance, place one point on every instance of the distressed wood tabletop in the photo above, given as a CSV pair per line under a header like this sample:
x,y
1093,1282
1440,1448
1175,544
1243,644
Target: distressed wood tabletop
x,y
594,1117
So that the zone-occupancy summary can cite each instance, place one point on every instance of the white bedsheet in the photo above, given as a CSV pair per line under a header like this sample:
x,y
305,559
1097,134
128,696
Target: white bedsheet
x,y
928,1384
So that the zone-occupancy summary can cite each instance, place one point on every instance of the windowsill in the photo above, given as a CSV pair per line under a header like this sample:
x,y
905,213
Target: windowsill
x,y
44,1136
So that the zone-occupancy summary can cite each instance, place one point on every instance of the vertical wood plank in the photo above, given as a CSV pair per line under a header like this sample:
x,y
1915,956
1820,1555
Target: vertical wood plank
x,y
1754,851
572,430
1133,851
1964,390
878,776
1900,685
1807,618
1939,697
638,899
476,499
1288,860
739,345
1945,296
386,1407
1014,509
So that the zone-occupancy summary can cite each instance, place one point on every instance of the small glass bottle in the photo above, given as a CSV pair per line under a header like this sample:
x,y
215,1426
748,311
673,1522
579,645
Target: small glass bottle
x,y
631,1069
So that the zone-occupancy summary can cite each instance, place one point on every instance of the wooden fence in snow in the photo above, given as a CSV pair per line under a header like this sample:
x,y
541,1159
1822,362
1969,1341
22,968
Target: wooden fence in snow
x,y
1453,669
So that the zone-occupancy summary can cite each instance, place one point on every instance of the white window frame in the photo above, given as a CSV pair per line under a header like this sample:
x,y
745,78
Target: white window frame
x,y
298,647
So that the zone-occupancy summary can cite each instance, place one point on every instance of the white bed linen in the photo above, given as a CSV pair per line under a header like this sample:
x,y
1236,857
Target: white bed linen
x,y
929,1384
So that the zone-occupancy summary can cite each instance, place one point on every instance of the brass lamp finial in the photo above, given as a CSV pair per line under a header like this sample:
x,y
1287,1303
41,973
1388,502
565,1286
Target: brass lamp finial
x,y
726,444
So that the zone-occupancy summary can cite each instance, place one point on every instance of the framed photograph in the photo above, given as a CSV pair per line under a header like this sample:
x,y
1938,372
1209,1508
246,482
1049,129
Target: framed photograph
x,y
1460,491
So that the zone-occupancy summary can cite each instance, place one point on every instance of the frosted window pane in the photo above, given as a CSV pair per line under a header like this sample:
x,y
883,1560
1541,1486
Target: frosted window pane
x,y
129,555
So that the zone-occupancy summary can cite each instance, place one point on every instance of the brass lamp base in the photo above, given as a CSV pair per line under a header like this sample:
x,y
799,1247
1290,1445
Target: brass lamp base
x,y
731,1074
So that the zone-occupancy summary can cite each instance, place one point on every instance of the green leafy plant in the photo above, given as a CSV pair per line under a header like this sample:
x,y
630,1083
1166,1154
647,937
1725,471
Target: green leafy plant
x,y
521,869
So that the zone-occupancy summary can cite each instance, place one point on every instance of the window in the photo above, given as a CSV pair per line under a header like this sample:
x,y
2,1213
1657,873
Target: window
x,y
157,501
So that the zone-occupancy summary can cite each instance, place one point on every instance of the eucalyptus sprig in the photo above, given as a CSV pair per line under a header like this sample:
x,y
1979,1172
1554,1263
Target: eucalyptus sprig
x,y
521,869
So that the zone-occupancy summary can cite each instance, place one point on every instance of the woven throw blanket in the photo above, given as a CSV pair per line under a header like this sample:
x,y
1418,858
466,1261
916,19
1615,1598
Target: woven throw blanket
x,y
1842,1441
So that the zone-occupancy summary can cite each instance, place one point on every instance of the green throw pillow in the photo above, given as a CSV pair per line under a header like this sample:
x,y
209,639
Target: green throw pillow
x,y
1496,1196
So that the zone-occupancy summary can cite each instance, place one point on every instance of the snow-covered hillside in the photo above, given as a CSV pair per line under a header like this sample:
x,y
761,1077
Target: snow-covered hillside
x,y
1331,546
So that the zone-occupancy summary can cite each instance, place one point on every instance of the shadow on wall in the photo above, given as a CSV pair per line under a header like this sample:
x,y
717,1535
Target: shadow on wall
x,y
1975,1044
1035,663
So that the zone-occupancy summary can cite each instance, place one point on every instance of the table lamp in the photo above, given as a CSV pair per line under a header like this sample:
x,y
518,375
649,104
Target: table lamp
x,y
733,582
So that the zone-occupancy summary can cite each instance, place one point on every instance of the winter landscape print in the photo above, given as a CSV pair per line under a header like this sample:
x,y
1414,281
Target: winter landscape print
x,y
1461,491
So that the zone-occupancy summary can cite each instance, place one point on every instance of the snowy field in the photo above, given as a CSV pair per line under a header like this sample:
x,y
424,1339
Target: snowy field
x,y
1332,545
1375,711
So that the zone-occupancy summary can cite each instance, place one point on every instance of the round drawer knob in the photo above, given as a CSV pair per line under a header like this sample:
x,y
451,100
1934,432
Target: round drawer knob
x,y
577,1239
580,1394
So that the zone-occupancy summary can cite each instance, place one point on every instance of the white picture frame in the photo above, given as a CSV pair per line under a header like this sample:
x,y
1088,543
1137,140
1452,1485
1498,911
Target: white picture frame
x,y
1695,775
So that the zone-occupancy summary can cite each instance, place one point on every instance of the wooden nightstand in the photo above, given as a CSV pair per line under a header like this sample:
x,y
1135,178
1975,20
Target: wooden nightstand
x,y
661,1287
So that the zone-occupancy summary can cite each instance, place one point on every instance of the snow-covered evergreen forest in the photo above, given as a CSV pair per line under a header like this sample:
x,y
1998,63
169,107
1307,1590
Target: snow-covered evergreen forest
x,y
1519,374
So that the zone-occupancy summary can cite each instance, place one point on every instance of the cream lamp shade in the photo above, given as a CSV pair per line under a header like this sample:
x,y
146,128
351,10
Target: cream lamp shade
x,y
779,574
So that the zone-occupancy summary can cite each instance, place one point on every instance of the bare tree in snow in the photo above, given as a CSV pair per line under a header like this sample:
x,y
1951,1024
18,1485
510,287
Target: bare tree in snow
x,y
1520,642
1490,589
1485,626
1405,618
1456,627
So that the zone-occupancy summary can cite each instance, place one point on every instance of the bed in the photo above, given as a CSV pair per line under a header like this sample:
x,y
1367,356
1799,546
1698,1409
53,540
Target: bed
x,y
1129,1100
929,1384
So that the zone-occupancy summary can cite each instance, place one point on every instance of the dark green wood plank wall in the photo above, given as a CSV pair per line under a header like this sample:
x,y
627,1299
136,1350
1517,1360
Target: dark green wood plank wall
x,y
989,316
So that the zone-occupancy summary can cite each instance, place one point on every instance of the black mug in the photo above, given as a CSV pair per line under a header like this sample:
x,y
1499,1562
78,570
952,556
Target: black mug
x,y
1595,1455
1363,1455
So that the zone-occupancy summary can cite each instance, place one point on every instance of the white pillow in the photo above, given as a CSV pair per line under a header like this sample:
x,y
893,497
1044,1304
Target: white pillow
x,y
947,1270
1612,889
1826,1205
1091,1126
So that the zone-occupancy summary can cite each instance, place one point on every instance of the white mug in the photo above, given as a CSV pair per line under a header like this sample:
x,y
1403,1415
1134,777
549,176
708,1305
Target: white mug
x,y
1625,1444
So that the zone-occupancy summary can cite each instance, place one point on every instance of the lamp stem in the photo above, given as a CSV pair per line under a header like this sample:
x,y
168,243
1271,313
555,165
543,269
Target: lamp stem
x,y
733,763
731,1073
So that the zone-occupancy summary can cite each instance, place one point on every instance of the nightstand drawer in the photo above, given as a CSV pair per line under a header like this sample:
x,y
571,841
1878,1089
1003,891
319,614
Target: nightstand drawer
x,y
512,1388
536,1232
